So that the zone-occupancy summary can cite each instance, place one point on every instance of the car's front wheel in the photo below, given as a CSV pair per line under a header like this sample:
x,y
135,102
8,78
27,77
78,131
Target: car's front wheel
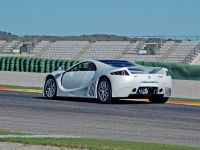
x,y
158,99
104,91
50,88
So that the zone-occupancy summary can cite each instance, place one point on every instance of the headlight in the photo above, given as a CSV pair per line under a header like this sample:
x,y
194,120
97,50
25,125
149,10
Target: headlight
x,y
122,73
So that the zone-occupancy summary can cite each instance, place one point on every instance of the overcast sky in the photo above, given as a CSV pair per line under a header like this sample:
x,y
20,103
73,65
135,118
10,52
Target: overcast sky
x,y
119,17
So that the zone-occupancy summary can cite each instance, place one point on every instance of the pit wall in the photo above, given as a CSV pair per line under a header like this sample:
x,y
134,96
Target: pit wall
x,y
43,65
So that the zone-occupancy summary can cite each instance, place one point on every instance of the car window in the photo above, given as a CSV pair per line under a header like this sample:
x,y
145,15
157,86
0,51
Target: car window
x,y
119,63
167,73
91,67
85,66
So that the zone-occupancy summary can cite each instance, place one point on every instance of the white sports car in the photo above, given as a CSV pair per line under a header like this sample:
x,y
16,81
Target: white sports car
x,y
107,80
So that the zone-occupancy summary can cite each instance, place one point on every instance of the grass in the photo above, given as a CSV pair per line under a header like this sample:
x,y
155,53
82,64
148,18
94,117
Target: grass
x,y
92,144
96,144
6,132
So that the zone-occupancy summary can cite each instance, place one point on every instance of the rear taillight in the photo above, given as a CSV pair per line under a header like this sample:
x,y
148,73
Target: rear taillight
x,y
121,73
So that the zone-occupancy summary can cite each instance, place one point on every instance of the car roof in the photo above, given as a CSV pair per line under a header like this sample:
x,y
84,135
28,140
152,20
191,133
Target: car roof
x,y
112,60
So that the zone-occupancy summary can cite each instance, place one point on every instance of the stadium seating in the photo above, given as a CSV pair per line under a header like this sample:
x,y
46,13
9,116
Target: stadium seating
x,y
8,47
2,43
64,49
196,57
105,50
40,46
169,51
166,47
135,57
182,51
134,47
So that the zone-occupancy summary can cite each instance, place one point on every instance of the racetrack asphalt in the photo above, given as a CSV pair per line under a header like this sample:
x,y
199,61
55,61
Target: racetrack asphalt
x,y
124,120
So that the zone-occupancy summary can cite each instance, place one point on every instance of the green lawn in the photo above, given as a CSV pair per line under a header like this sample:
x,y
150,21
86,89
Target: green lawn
x,y
96,144
6,132
92,144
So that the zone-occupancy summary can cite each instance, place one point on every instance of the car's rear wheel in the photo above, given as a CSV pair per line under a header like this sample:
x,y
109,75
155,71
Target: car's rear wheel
x,y
158,99
104,91
50,88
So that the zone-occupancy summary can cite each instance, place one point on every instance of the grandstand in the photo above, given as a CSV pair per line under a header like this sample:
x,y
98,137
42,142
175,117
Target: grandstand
x,y
135,57
180,51
40,47
105,50
9,47
196,60
167,47
64,49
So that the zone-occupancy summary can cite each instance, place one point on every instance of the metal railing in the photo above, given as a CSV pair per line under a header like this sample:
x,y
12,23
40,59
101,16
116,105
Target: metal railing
x,y
173,37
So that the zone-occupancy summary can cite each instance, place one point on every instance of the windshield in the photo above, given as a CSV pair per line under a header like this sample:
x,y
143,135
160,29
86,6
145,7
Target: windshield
x,y
118,63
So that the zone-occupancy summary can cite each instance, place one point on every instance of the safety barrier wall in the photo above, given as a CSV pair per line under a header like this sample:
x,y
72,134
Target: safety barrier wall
x,y
28,64
42,65
177,70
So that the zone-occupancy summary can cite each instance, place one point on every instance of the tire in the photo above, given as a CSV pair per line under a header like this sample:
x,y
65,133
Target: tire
x,y
50,88
158,99
104,91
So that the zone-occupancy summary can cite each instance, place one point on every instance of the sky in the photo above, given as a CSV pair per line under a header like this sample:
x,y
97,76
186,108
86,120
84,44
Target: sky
x,y
118,17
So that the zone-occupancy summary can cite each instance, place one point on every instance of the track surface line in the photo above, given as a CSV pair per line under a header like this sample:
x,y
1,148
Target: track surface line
x,y
40,91
124,120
